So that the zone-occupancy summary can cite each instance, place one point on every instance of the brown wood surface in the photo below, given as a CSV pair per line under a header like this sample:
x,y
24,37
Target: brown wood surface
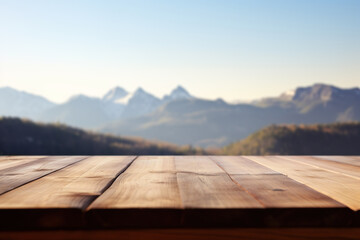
x,y
57,199
146,194
41,192
27,171
272,189
150,182
354,160
342,188
191,234
11,161
344,168
240,165
203,184
279,191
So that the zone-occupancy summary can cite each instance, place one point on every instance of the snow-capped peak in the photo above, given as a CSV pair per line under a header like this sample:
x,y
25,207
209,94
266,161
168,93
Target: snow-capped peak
x,y
140,92
178,93
115,94
139,95
288,95
142,95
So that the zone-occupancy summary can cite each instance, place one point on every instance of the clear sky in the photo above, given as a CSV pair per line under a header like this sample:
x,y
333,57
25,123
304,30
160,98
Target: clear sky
x,y
230,49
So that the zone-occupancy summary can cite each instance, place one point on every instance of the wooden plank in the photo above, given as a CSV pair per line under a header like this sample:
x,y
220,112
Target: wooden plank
x,y
146,194
11,161
279,191
272,189
20,174
193,191
293,203
170,191
353,160
211,198
343,189
150,182
203,184
347,169
240,165
191,234
154,191
57,200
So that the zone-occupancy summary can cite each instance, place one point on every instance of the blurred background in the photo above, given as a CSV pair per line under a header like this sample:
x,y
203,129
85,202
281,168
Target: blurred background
x,y
180,77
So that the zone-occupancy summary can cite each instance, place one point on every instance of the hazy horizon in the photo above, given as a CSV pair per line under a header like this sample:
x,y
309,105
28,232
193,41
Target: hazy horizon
x,y
235,50
239,100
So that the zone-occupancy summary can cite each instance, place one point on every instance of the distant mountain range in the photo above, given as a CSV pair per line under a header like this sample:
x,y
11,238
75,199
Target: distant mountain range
x,y
22,104
181,118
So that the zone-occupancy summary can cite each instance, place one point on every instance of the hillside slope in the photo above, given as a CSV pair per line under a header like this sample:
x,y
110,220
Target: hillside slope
x,y
327,139
22,137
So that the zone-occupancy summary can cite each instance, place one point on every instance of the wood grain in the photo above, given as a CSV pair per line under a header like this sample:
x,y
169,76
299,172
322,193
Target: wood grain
x,y
343,189
113,192
11,161
57,199
203,184
150,182
279,191
240,165
145,195
353,160
272,189
344,168
287,202
27,171
168,191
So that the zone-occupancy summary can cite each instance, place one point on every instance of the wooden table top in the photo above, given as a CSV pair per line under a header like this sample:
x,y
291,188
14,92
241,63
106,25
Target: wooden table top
x,y
113,192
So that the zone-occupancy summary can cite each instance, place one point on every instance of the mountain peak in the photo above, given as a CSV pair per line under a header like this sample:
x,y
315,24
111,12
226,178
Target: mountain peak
x,y
140,90
140,93
318,91
180,89
115,94
178,93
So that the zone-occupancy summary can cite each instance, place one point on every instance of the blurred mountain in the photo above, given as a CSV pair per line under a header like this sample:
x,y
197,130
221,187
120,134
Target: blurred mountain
x,y
201,122
177,93
140,103
115,95
320,103
216,123
79,111
181,118
22,104
23,137
329,139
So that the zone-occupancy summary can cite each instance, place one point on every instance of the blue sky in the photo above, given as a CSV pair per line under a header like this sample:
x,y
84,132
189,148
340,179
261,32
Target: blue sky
x,y
229,49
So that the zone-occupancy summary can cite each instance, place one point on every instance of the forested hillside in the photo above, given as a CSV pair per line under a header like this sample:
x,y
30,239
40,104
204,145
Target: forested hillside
x,y
322,139
24,137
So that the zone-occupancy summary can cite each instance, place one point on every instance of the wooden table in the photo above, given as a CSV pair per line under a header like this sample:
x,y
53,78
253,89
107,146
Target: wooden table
x,y
178,197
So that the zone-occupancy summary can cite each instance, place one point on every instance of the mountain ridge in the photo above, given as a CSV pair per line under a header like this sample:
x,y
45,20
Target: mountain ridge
x,y
23,104
181,118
